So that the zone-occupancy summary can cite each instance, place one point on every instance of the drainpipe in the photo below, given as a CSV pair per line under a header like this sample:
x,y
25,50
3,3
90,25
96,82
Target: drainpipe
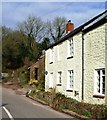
x,y
82,66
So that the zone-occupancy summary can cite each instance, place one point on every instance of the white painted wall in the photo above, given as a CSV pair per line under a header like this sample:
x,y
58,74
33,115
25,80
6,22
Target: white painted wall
x,y
61,63
94,58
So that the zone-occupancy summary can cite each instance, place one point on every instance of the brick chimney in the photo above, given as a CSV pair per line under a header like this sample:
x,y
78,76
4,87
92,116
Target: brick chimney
x,y
69,27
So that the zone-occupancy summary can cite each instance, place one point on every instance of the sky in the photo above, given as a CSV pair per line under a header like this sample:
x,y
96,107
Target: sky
x,y
77,12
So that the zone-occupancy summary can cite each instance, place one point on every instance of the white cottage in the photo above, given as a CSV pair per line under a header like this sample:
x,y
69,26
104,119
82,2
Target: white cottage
x,y
75,65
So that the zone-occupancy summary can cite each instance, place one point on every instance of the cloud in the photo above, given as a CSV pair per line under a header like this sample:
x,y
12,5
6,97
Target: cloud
x,y
78,12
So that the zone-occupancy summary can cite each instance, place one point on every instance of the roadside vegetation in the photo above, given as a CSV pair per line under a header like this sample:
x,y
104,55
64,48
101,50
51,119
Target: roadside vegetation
x,y
60,102
22,46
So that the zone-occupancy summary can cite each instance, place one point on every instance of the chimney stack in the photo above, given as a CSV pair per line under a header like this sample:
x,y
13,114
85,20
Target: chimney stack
x,y
69,27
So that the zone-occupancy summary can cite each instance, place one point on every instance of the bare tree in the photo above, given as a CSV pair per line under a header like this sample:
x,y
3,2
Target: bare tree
x,y
32,27
56,28
5,31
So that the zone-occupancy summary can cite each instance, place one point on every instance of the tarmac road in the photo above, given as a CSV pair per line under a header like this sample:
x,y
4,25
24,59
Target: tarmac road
x,y
19,106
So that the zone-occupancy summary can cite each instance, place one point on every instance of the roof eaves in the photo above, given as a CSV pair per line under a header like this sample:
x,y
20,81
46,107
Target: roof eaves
x,y
77,30
95,25
66,37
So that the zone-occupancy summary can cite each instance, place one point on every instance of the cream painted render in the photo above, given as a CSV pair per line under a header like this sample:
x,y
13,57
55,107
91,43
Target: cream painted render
x,y
94,58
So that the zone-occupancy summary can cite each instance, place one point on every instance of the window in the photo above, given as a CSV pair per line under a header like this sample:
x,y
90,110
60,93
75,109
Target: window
x,y
99,82
59,78
51,55
58,56
70,48
70,80
51,80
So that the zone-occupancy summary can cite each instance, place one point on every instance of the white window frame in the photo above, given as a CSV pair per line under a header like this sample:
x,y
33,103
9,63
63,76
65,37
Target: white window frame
x,y
98,78
70,80
51,55
51,80
58,56
59,77
70,48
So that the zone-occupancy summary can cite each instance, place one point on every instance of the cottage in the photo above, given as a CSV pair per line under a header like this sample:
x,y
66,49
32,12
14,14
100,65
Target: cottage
x,y
37,71
75,65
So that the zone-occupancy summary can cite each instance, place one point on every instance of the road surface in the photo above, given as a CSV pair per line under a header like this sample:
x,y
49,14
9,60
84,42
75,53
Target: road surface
x,y
19,106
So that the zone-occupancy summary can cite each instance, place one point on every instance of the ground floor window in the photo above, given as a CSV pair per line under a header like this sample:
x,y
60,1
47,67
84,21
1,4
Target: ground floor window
x,y
59,77
51,80
100,81
70,79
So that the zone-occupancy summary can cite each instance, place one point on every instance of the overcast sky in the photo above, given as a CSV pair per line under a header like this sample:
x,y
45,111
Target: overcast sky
x,y
77,12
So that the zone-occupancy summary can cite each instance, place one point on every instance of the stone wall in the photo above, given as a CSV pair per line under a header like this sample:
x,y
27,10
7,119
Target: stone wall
x,y
94,59
40,64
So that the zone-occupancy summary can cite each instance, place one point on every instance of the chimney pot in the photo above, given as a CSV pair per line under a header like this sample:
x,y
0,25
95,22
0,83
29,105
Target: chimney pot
x,y
69,21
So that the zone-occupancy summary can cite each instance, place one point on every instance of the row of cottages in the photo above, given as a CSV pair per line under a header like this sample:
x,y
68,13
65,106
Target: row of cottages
x,y
75,65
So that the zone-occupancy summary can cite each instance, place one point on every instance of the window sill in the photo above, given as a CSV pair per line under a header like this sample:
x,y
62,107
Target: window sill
x,y
59,84
99,96
70,57
69,90
50,87
50,62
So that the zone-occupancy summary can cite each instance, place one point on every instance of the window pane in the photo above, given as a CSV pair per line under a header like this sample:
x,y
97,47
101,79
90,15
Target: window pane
x,y
103,84
103,72
70,78
70,48
59,77
100,81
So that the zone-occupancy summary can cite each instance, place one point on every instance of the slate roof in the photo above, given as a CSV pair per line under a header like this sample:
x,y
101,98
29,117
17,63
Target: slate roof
x,y
86,27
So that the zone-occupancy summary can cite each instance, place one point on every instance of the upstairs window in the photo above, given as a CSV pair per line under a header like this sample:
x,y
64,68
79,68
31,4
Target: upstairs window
x,y
70,80
51,55
59,81
70,48
100,82
58,56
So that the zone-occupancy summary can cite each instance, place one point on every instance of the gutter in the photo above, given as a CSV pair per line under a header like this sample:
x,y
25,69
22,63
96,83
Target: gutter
x,y
78,29
82,66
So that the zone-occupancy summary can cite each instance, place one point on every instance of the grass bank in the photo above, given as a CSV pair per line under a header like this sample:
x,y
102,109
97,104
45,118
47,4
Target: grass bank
x,y
61,102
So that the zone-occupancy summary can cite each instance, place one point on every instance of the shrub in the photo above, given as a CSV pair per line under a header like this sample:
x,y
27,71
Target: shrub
x,y
86,113
59,102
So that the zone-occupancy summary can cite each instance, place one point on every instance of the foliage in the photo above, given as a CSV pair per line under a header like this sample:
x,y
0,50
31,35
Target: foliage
x,y
56,28
41,85
32,27
45,43
16,50
33,81
22,76
25,43
86,113
6,31
60,102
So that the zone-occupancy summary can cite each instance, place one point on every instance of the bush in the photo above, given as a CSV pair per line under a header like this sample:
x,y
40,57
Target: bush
x,y
59,102
86,113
